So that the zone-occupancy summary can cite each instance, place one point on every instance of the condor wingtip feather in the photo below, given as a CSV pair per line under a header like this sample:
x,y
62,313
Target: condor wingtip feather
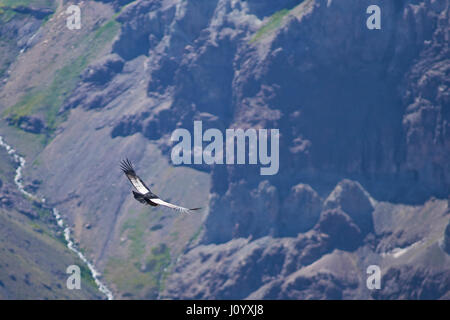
x,y
126,166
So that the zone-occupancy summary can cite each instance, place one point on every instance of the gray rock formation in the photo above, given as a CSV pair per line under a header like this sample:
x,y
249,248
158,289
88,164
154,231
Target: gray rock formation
x,y
413,283
31,124
300,211
238,268
446,241
38,13
103,70
353,200
98,85
343,232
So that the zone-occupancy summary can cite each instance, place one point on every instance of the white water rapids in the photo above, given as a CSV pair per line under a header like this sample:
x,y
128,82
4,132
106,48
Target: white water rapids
x,y
60,221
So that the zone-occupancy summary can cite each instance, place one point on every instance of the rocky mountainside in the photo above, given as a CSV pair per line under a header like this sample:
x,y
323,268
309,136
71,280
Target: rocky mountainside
x,y
363,115
34,258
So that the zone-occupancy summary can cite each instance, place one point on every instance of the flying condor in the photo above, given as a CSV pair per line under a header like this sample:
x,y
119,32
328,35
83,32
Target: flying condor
x,y
144,194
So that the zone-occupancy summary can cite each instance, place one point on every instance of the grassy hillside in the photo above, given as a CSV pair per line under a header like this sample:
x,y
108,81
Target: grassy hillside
x,y
54,65
33,255
46,98
33,3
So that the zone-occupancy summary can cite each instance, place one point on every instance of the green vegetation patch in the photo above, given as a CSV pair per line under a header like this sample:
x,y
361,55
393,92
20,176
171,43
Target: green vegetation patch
x,y
47,99
6,14
141,273
196,235
141,279
135,229
273,24
86,275
277,20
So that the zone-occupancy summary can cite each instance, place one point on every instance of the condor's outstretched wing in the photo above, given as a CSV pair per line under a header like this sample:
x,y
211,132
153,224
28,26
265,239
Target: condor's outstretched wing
x,y
172,206
137,182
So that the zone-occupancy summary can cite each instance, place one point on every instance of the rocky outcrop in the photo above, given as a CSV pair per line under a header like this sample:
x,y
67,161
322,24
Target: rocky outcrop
x,y
127,126
331,277
38,13
346,220
117,4
238,268
33,124
264,9
15,35
347,213
258,219
98,85
6,202
350,198
425,96
412,283
300,211
103,71
141,30
446,241
264,214
343,232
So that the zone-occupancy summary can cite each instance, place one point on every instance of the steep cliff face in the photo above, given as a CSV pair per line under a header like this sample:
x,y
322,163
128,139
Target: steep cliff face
x,y
364,137
342,102
330,260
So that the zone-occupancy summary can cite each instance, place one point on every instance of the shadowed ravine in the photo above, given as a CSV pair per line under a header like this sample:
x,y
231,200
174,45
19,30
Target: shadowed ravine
x,y
60,221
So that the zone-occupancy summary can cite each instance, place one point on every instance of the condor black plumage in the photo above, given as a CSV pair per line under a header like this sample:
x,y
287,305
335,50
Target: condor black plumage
x,y
144,194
